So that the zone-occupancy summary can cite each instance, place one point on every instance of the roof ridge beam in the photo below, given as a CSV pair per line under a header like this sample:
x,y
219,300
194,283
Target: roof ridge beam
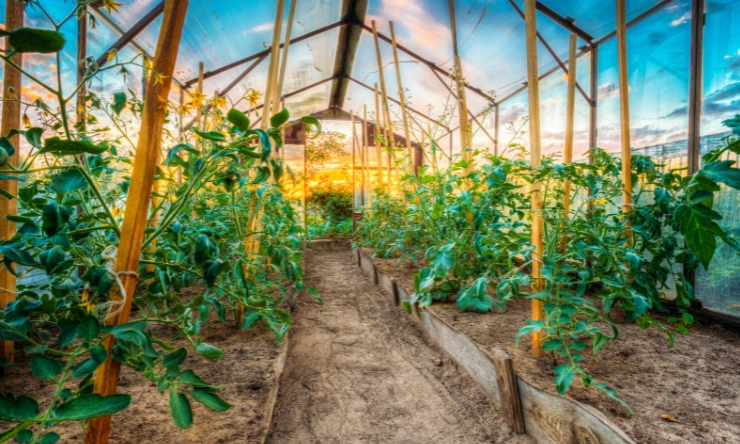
x,y
565,23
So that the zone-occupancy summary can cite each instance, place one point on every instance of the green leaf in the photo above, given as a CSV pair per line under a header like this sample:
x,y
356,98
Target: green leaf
x,y
33,136
177,148
210,400
251,319
42,41
67,336
91,406
69,180
119,102
52,259
208,351
205,249
311,121
59,147
211,270
443,260
722,171
209,135
174,359
50,438
279,118
17,409
85,368
238,119
564,377
46,368
24,436
182,415
7,146
89,328
697,225
20,257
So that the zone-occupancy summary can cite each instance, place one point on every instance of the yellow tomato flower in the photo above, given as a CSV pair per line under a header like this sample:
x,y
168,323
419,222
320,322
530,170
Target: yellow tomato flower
x,y
86,303
253,98
186,108
26,121
601,201
198,97
80,109
110,5
112,55
219,102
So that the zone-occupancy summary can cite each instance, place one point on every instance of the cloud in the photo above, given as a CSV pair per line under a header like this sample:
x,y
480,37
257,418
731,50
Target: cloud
x,y
730,91
681,20
710,109
512,113
607,90
263,27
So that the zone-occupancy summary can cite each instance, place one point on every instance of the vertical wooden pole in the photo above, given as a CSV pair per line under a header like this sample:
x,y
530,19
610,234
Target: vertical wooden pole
x,y
495,129
199,104
570,120
11,119
695,84
142,178
286,48
305,188
386,108
624,113
535,160
594,93
402,94
378,140
365,137
462,102
81,55
271,96
508,389
354,166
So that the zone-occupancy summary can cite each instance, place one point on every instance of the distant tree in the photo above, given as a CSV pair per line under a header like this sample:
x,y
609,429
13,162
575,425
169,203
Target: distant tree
x,y
329,145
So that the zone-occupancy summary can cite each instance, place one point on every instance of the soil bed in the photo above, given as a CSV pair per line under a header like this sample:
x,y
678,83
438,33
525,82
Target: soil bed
x,y
246,372
359,370
697,382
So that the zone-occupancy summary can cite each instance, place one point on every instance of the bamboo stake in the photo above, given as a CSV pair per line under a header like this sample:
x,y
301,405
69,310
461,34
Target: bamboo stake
x,y
286,48
270,94
199,106
535,160
305,188
462,102
367,155
402,95
135,216
624,109
386,108
377,137
81,56
354,148
11,119
569,121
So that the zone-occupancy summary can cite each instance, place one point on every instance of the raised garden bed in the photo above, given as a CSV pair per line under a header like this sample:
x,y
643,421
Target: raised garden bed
x,y
697,383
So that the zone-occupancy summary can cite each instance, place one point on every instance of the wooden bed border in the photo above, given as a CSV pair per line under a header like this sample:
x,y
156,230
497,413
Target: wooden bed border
x,y
548,418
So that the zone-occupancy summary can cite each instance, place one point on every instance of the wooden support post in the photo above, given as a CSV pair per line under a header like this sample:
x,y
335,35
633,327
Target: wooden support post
x,y
354,165
367,155
271,96
695,84
81,66
508,390
199,102
462,102
402,95
378,138
11,119
495,129
535,160
594,93
386,109
135,216
286,48
305,188
624,113
570,120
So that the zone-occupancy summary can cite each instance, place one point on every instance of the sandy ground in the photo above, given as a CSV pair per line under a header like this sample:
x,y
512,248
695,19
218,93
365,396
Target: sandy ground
x,y
360,371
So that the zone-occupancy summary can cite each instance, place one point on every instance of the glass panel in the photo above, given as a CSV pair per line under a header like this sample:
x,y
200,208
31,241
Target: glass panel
x,y
719,287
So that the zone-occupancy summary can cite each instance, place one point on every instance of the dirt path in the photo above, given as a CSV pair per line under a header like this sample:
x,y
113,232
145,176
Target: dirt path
x,y
360,371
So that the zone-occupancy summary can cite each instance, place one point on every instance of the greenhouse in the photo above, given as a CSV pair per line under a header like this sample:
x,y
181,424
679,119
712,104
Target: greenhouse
x,y
366,221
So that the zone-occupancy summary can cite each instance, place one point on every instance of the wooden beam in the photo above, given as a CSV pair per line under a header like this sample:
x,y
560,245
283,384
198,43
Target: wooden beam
x,y
552,52
695,84
11,119
132,32
265,52
570,114
462,102
508,389
624,112
286,51
401,93
593,109
386,108
353,11
535,160
148,150
81,56
565,23
425,61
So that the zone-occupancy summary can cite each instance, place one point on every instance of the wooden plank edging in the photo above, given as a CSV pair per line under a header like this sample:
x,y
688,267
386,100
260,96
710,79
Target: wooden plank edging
x,y
548,418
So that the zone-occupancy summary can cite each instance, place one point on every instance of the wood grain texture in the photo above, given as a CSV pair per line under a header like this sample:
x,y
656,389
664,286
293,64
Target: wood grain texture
x,y
387,284
148,150
274,391
548,418
508,389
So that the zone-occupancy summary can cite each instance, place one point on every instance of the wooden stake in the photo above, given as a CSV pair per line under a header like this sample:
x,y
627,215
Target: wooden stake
x,y
199,106
462,102
401,93
81,56
535,160
495,130
386,108
570,120
305,189
11,119
272,74
284,58
378,138
624,108
508,389
354,149
367,154
135,216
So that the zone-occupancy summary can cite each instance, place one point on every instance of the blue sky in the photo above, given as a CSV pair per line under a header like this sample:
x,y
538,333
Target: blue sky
x,y
492,48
